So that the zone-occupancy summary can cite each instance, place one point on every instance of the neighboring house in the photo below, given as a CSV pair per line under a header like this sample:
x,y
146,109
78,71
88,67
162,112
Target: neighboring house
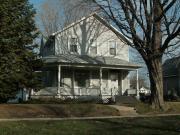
x,y
171,76
145,91
86,59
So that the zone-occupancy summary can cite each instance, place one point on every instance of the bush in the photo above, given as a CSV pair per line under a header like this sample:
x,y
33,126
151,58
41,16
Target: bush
x,y
171,96
145,98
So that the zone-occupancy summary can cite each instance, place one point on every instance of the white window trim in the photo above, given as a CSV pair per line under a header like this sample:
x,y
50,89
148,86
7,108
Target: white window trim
x,y
95,45
91,52
109,46
70,44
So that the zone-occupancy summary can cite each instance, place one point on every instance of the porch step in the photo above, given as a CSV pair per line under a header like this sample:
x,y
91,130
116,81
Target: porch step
x,y
126,100
124,110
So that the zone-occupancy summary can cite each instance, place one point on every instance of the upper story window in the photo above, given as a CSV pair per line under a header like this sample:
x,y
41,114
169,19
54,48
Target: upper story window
x,y
93,47
112,47
93,50
73,45
91,41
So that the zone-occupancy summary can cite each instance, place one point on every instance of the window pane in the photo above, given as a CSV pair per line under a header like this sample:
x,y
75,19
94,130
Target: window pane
x,y
93,50
73,45
66,78
73,41
112,51
82,78
112,44
112,48
73,48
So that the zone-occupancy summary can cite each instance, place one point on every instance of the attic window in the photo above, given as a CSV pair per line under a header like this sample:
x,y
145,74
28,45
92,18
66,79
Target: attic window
x,y
73,45
112,47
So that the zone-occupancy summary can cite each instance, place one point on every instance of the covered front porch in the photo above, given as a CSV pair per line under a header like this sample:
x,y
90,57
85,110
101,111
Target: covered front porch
x,y
100,77
65,81
77,81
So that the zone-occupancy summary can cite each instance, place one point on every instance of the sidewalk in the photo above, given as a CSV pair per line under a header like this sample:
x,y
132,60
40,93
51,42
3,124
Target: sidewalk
x,y
87,118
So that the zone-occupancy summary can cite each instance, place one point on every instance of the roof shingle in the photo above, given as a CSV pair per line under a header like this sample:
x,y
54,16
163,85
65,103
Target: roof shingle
x,y
88,60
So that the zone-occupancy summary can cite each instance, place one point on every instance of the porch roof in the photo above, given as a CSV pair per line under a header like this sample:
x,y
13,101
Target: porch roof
x,y
86,60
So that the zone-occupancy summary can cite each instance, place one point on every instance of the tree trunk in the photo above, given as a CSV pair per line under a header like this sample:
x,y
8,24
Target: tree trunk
x,y
156,82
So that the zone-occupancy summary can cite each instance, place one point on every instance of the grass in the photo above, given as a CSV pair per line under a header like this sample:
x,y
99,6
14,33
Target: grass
x,y
126,126
55,110
170,107
173,107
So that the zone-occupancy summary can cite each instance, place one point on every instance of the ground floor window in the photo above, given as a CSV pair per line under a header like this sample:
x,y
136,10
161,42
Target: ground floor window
x,y
66,78
50,78
82,78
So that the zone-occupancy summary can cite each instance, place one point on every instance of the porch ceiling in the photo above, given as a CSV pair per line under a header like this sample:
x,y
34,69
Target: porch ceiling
x,y
85,60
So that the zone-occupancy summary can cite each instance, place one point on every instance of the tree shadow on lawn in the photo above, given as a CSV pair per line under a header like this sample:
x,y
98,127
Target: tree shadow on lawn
x,y
69,110
149,126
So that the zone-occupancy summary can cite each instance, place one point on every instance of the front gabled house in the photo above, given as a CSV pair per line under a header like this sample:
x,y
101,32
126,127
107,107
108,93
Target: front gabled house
x,y
86,59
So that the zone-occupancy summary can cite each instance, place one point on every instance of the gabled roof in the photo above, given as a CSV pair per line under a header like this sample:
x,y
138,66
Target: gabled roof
x,y
72,24
171,66
101,61
101,20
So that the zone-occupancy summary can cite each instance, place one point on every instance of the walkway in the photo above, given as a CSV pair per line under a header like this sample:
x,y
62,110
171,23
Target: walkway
x,y
124,110
87,118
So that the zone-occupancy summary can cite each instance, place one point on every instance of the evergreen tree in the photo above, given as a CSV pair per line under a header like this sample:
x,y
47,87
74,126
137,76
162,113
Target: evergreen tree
x,y
17,58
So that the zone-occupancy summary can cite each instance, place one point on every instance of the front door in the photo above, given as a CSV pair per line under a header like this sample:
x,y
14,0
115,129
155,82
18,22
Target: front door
x,y
113,82
82,81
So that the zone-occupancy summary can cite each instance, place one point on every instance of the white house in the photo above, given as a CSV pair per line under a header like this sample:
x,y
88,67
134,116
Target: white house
x,y
86,59
145,91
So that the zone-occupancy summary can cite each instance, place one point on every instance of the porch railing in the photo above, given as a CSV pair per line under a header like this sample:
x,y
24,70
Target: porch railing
x,y
84,92
79,91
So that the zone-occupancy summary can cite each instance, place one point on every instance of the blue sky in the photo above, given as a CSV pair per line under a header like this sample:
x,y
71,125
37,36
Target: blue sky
x,y
36,5
36,2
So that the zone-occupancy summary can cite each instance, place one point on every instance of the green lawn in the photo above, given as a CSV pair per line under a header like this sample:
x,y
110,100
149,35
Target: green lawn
x,y
55,110
125,126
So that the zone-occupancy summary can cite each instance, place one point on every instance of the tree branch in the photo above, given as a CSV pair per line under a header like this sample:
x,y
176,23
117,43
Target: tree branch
x,y
169,38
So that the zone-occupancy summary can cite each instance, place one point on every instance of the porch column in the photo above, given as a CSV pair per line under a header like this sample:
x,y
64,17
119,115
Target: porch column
x,y
137,83
73,79
59,81
100,77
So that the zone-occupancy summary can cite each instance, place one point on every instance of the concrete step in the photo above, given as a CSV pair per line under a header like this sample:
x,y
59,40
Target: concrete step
x,y
126,100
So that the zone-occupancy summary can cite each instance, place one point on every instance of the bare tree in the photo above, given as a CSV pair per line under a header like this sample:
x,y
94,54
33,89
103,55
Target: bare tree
x,y
56,14
151,27
50,17
73,10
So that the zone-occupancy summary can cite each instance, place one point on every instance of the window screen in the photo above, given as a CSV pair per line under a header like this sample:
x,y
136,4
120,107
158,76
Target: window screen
x,y
112,48
73,45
